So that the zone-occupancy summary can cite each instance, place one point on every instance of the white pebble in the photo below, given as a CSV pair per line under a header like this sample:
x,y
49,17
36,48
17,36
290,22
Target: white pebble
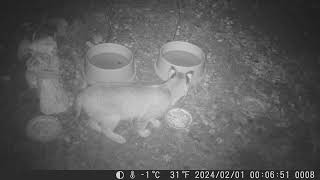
x,y
219,140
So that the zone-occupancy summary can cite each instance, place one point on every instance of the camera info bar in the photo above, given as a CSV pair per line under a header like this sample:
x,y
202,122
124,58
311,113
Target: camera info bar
x,y
216,174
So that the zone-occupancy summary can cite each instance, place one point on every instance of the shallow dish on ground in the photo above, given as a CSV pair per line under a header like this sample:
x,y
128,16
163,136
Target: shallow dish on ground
x,y
178,118
43,128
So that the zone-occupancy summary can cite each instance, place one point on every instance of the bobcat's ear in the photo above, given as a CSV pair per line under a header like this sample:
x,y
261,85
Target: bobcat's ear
x,y
172,72
189,76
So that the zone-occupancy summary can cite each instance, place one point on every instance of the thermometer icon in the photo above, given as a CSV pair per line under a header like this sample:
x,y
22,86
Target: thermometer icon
x,y
132,176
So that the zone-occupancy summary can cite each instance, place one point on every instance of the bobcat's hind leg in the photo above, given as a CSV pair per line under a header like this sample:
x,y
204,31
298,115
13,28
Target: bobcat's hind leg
x,y
142,125
155,122
108,125
94,125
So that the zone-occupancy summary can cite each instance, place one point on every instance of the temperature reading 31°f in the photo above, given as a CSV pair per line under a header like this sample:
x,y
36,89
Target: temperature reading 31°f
x,y
155,174
178,174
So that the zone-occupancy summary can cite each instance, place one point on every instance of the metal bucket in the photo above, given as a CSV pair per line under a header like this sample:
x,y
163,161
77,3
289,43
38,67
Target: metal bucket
x,y
109,62
184,57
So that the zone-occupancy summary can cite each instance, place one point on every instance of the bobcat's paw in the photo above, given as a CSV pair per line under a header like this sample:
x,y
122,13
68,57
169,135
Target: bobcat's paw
x,y
144,133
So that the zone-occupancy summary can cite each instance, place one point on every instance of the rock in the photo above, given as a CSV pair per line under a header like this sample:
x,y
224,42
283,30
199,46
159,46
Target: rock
x,y
44,56
219,140
45,46
67,139
24,50
53,98
212,131
253,107
167,158
43,60
89,44
32,79
40,62
97,38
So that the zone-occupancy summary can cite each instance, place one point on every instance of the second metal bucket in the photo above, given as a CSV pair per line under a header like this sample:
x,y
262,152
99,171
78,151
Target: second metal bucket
x,y
184,57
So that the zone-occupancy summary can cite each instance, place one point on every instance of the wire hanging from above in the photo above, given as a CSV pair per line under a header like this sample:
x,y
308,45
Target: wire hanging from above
x,y
178,4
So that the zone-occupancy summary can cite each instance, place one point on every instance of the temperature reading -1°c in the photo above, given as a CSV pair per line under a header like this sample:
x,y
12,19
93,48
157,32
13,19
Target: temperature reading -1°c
x,y
155,174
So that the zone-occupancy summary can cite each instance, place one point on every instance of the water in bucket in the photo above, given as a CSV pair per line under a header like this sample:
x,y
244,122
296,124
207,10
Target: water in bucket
x,y
181,58
109,60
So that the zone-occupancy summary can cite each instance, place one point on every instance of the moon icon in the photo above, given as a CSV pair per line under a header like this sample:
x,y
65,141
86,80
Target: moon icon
x,y
119,175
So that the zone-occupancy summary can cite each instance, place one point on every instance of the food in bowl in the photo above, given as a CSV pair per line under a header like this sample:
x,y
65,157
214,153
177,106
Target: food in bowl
x,y
178,118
